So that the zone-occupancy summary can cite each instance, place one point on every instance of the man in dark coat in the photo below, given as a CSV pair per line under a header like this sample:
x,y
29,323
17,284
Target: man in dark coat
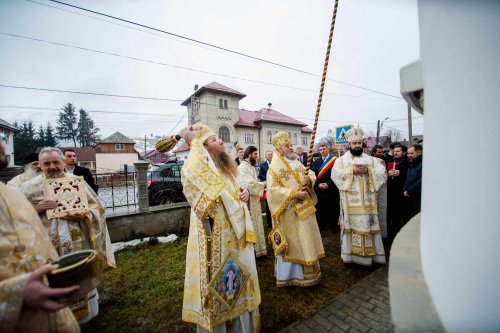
x,y
239,155
71,167
397,203
263,168
413,184
328,206
301,156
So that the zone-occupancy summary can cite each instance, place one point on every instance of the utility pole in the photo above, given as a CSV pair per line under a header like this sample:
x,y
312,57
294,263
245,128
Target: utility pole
x,y
144,146
193,104
380,125
378,131
409,126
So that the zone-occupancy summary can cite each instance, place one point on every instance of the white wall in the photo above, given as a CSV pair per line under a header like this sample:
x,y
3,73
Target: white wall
x,y
460,240
112,162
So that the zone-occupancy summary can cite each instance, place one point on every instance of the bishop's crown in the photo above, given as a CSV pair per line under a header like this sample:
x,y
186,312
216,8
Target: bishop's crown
x,y
355,133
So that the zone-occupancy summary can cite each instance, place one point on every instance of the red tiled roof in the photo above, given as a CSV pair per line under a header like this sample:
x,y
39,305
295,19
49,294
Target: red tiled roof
x,y
306,129
254,118
179,149
214,86
83,154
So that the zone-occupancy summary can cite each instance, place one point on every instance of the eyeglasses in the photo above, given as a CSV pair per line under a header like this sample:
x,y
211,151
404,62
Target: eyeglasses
x,y
214,140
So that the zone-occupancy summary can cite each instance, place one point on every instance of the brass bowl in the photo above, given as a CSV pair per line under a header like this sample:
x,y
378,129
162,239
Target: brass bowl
x,y
78,268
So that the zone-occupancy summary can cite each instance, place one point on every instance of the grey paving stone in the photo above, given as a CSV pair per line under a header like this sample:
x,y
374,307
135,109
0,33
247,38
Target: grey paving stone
x,y
356,315
363,303
322,321
320,329
338,304
372,324
325,312
355,323
336,330
349,303
370,314
354,330
338,322
340,313
301,328
371,294
359,294
310,323
380,311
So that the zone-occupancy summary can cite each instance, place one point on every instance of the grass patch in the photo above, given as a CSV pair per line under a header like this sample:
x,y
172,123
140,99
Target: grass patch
x,y
145,292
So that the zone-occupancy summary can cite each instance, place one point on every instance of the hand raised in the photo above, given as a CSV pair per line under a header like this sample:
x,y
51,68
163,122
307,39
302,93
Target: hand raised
x,y
188,134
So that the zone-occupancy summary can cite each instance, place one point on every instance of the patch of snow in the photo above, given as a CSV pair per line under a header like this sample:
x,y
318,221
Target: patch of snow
x,y
122,245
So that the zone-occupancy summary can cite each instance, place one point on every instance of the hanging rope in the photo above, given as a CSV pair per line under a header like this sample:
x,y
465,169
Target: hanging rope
x,y
323,79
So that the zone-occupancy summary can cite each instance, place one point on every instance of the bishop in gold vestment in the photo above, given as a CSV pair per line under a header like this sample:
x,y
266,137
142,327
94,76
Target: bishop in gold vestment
x,y
83,231
293,212
24,247
358,177
220,228
247,178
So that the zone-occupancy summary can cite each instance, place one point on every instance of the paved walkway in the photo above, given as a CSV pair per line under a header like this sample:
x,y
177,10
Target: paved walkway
x,y
363,308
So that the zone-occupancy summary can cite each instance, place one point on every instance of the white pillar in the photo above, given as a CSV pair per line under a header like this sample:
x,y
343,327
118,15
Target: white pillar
x,y
460,239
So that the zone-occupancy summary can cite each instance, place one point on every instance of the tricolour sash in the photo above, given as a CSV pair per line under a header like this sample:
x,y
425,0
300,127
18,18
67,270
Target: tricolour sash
x,y
327,165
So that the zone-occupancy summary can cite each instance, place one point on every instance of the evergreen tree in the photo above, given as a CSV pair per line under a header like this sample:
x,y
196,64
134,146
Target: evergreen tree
x,y
40,136
67,127
25,141
87,131
50,139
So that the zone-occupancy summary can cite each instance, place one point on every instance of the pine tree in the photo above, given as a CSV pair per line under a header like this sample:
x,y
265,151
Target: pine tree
x,y
67,127
50,139
40,136
87,132
25,141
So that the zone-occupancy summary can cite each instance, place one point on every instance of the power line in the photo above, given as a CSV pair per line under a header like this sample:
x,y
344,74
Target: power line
x,y
91,111
81,48
91,93
221,48
135,114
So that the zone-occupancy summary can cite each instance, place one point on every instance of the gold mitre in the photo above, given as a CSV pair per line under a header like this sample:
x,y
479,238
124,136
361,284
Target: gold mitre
x,y
355,133
203,132
280,139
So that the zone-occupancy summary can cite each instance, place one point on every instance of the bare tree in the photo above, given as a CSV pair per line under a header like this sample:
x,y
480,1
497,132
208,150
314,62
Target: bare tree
x,y
393,135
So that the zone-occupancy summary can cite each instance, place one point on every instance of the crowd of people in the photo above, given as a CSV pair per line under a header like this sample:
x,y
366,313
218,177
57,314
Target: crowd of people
x,y
31,240
363,198
349,194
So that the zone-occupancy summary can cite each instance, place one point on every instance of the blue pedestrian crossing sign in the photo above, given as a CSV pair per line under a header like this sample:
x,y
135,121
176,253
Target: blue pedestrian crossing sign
x,y
341,134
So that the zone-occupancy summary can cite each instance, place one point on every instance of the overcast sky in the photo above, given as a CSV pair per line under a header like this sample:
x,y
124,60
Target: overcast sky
x,y
372,41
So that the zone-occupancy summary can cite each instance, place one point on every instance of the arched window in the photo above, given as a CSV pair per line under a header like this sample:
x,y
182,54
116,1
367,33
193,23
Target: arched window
x,y
269,137
224,134
294,138
220,104
225,104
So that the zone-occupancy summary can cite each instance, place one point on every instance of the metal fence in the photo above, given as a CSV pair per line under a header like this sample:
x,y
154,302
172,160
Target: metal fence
x,y
165,187
117,189
120,190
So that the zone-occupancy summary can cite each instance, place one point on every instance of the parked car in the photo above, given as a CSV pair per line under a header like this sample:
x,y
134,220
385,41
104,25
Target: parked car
x,y
164,183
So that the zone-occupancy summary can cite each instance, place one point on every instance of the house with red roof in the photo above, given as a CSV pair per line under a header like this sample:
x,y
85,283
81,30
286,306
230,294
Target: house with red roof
x,y
218,107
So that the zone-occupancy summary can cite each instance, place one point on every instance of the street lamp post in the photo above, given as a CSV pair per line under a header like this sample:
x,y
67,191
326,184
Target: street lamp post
x,y
193,104
380,125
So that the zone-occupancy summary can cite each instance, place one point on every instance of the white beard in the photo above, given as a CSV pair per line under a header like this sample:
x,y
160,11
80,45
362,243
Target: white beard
x,y
30,172
291,156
